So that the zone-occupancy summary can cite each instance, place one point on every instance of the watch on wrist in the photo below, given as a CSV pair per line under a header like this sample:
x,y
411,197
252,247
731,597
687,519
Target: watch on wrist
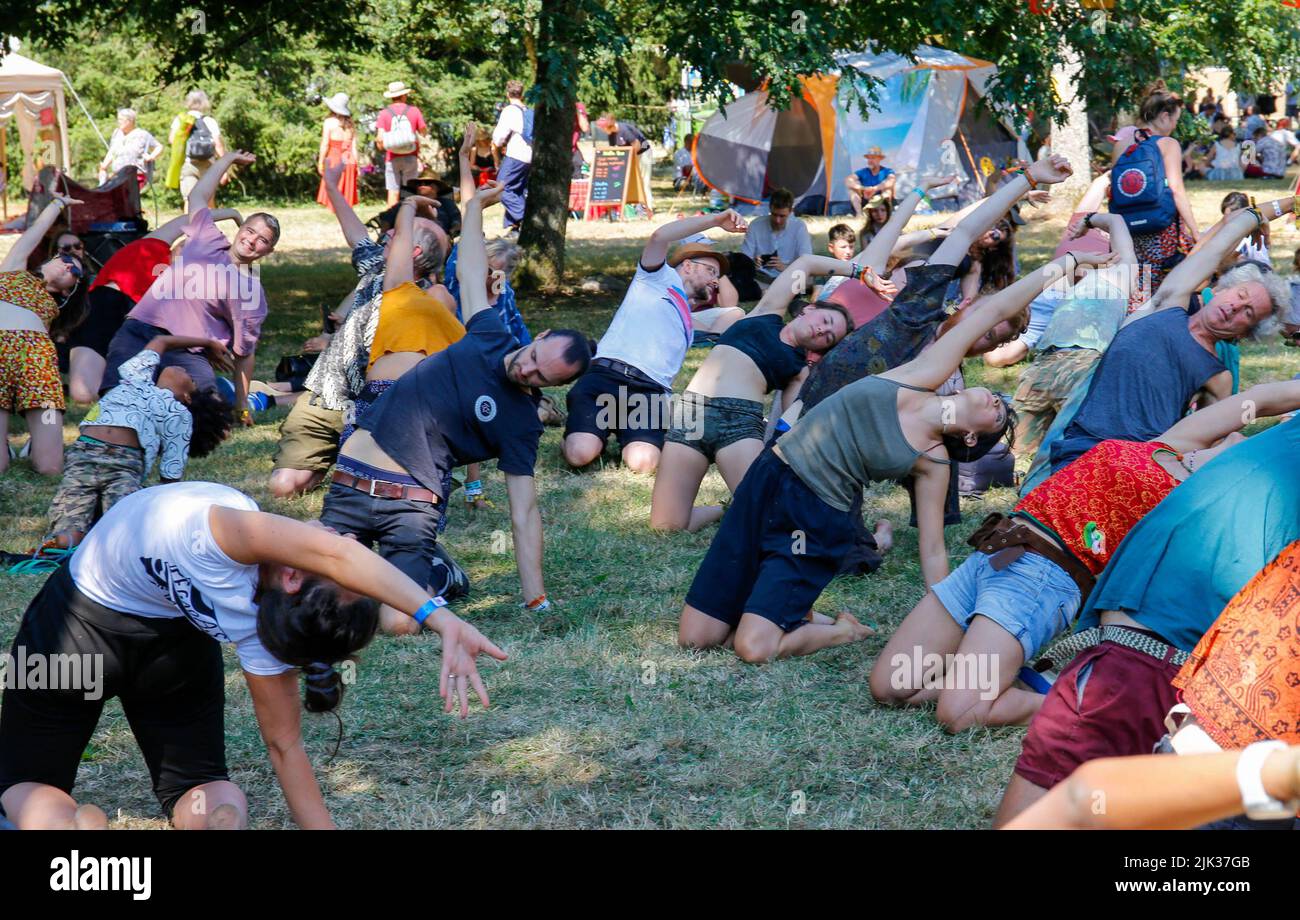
x,y
1258,804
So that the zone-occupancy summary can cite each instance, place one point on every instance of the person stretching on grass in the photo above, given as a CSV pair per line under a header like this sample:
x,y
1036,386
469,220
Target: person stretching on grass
x,y
627,388
789,526
163,574
134,424
720,416
1031,571
470,402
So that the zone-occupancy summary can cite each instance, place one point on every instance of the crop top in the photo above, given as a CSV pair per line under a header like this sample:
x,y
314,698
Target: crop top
x,y
759,337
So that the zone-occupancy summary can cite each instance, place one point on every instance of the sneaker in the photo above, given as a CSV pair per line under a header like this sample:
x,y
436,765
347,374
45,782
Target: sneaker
x,y
26,450
448,579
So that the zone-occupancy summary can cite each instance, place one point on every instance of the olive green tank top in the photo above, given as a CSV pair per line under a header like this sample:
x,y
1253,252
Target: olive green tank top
x,y
850,439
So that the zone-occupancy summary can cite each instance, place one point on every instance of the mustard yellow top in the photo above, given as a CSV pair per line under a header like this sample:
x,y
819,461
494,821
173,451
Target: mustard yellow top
x,y
412,320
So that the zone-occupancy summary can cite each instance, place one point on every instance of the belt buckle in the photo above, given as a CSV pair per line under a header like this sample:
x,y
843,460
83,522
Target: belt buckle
x,y
373,483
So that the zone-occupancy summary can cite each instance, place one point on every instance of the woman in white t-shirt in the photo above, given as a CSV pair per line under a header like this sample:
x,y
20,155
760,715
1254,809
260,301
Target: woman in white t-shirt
x,y
130,146
288,595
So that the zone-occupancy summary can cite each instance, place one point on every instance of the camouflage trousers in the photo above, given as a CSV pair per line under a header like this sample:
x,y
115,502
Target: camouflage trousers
x,y
1044,387
95,476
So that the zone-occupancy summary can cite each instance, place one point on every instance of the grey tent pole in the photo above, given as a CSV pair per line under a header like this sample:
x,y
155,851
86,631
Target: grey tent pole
x,y
83,109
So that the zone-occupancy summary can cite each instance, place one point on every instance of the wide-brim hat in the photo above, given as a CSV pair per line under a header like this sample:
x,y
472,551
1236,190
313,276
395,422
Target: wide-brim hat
x,y
397,88
441,185
338,104
874,151
699,251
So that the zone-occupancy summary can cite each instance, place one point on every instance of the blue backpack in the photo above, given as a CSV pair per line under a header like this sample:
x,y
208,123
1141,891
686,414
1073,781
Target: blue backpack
x,y
527,133
1139,191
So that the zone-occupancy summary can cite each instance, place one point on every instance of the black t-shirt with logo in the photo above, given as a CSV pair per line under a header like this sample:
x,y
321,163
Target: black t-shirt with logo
x,y
457,407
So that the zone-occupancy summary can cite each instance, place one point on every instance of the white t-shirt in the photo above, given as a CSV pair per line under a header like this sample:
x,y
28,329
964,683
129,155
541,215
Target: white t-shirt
x,y
510,124
153,555
791,243
652,328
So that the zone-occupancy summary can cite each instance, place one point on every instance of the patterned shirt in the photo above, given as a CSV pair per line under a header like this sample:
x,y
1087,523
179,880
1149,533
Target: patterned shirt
x,y
23,289
160,420
339,373
1095,501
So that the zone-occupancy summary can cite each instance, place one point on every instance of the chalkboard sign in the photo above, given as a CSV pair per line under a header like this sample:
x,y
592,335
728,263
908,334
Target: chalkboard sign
x,y
611,168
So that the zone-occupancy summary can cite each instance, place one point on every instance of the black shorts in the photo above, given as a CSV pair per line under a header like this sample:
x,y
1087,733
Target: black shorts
x,y
605,401
167,674
406,531
131,339
106,311
777,549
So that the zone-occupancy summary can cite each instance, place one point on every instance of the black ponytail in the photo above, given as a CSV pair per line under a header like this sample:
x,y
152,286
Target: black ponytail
x,y
311,629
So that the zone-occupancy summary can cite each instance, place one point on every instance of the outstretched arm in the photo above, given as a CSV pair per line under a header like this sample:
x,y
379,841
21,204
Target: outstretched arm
x,y
937,363
471,254
793,282
1043,172
26,244
1206,426
1156,791
656,249
1190,273
354,231
882,244
206,187
466,172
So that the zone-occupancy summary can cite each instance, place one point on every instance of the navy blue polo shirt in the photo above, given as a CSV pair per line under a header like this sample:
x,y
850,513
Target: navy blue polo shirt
x,y
457,407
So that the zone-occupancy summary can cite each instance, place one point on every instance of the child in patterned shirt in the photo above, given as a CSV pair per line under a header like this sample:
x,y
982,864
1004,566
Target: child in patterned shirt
x,y
133,424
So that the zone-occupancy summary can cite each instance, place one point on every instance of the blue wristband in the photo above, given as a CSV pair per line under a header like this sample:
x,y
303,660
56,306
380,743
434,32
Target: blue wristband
x,y
474,487
428,608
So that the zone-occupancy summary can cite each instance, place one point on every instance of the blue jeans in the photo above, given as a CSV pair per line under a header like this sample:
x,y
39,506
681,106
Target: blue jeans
x,y
513,174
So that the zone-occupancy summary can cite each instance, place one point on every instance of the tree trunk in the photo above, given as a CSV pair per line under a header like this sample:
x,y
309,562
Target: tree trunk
x,y
1070,137
547,213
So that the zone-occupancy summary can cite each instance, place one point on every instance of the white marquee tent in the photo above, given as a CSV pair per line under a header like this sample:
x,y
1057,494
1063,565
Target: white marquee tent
x,y
32,94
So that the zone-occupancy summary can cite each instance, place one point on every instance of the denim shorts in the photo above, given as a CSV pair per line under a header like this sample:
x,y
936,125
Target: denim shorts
x,y
1032,598
708,424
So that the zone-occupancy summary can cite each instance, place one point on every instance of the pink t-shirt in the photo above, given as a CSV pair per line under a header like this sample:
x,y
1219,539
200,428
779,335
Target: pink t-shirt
x,y
204,293
385,122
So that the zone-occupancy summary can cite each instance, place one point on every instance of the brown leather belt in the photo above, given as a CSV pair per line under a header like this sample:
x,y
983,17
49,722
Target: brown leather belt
x,y
1007,539
379,488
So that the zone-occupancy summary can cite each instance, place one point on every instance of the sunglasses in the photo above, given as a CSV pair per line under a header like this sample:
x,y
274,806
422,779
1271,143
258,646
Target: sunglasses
x,y
73,267
72,247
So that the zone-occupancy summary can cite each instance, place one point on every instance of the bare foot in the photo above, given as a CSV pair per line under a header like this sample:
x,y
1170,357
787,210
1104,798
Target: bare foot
x,y
884,534
225,818
90,818
857,631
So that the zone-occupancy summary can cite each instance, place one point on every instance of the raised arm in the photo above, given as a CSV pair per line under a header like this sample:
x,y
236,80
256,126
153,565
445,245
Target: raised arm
x,y
206,187
1157,791
937,363
793,282
1125,265
959,241
1187,278
471,253
656,249
32,237
467,187
255,537
882,244
1205,427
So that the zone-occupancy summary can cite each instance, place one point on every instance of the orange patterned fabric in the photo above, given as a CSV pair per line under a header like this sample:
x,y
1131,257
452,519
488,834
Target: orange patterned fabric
x,y
1092,503
29,372
1243,679
23,289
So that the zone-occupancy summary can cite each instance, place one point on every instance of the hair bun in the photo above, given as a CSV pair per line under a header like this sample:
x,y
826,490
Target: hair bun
x,y
323,687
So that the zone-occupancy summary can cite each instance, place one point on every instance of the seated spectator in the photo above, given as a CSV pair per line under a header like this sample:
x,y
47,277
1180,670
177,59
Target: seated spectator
x,y
879,208
1271,155
1255,246
1285,136
1225,158
874,179
841,243
134,424
771,244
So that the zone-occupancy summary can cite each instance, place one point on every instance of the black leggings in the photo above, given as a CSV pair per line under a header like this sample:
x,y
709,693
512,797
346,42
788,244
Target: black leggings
x,y
168,675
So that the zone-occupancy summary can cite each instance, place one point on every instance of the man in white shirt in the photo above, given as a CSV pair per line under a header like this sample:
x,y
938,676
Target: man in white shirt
x,y
627,389
514,135
771,244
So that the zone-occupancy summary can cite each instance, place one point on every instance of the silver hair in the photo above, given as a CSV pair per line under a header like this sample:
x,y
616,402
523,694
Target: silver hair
x,y
197,100
431,256
509,254
128,114
1279,292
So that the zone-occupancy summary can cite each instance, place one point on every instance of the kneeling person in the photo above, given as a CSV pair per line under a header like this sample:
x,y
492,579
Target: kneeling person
x,y
471,402
134,424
